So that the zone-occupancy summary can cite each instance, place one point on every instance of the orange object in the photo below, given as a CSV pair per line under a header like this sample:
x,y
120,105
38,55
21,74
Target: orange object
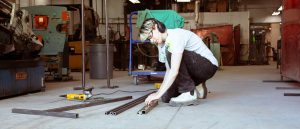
x,y
41,22
65,16
225,37
40,38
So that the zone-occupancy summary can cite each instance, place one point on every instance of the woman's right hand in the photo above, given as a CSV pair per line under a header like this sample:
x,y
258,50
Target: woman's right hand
x,y
151,98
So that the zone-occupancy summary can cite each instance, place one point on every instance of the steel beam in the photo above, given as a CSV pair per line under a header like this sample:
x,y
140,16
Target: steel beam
x,y
287,88
45,113
94,103
127,106
291,94
58,112
290,81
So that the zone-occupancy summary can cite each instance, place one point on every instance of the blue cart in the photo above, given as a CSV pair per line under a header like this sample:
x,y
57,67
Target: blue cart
x,y
138,73
170,18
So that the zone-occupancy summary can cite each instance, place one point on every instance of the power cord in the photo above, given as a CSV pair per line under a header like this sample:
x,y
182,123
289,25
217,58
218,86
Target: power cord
x,y
123,91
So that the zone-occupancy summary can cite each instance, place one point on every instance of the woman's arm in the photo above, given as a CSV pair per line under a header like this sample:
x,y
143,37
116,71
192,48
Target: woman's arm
x,y
170,76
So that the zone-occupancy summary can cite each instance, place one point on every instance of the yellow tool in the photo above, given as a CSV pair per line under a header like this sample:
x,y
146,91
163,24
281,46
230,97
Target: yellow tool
x,y
75,96
157,85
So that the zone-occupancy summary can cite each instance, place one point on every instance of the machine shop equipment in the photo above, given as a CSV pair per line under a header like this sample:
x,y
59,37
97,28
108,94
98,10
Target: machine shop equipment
x,y
50,24
21,70
17,40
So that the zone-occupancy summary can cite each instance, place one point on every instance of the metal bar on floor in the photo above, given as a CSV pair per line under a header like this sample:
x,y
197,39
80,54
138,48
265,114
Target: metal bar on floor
x,y
127,106
94,103
291,94
147,108
45,113
287,88
288,81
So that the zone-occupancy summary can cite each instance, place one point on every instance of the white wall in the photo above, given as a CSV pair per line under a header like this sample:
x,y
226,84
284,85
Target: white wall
x,y
42,2
275,34
24,3
259,16
115,15
261,10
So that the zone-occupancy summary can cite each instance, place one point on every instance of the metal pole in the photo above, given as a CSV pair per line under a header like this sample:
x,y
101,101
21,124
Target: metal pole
x,y
83,45
45,113
107,45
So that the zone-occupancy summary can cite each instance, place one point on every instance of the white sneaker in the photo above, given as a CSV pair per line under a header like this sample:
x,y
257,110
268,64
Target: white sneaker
x,y
184,99
202,91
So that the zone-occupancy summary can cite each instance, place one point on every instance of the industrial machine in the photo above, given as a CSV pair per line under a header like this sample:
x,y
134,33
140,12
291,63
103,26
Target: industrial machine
x,y
21,70
17,40
50,24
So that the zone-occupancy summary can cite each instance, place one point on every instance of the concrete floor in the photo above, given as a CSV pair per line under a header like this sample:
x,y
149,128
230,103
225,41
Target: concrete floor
x,y
238,99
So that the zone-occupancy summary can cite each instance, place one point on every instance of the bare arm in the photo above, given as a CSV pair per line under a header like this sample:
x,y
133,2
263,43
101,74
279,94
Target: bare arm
x,y
170,76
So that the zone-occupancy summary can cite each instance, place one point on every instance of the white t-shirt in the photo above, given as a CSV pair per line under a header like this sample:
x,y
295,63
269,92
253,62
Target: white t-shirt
x,y
179,40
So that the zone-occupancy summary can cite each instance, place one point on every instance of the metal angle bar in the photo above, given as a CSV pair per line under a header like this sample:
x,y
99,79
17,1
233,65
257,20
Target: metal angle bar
x,y
279,81
138,100
147,108
45,113
94,103
118,108
128,105
288,88
291,94
125,106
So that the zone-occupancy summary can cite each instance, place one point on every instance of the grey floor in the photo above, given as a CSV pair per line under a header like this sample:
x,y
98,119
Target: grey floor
x,y
238,99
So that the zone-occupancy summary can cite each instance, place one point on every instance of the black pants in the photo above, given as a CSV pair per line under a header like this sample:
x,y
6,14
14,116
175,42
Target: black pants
x,y
194,69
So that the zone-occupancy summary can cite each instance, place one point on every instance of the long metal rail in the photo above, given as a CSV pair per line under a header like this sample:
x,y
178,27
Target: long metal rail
x,y
59,112
291,94
94,103
127,106
45,113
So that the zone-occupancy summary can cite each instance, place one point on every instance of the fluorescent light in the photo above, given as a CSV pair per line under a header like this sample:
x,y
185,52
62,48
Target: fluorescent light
x,y
280,8
275,13
135,1
183,0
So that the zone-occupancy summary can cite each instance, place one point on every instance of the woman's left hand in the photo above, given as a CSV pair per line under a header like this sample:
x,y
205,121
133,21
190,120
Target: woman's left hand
x,y
152,97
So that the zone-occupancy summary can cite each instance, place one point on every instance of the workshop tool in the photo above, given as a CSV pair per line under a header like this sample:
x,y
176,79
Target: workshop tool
x,y
75,96
59,112
87,94
127,106
157,85
148,108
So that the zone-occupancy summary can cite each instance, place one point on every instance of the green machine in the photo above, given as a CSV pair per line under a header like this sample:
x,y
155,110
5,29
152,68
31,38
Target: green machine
x,y
50,25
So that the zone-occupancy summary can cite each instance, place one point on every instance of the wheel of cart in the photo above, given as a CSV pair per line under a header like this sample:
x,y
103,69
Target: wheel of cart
x,y
170,18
